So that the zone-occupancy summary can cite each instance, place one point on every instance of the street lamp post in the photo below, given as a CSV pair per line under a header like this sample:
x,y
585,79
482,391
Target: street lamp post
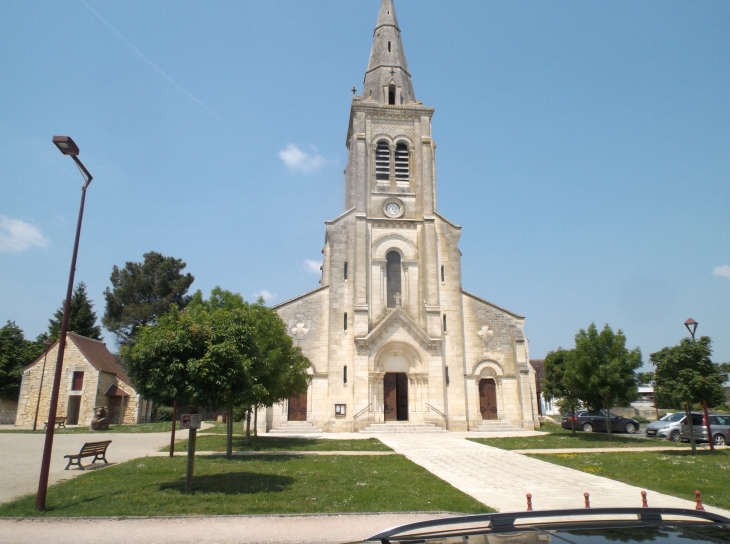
x,y
691,325
68,147
48,344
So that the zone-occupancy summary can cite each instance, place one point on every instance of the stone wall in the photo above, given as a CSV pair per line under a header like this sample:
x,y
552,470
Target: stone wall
x,y
8,411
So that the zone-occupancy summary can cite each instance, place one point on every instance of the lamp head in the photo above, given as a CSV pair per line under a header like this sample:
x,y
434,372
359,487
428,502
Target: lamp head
x,y
66,145
691,325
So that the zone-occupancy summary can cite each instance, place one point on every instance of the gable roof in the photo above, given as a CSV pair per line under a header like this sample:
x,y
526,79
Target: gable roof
x,y
410,325
99,356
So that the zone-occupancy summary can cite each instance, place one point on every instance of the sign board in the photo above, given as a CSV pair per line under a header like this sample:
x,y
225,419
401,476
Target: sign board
x,y
190,421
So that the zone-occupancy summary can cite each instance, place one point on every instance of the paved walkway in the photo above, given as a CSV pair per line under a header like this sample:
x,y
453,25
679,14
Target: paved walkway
x,y
502,478
204,530
21,455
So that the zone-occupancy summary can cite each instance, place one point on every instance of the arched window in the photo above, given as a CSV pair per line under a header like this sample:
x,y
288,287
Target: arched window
x,y
391,94
401,162
382,161
392,271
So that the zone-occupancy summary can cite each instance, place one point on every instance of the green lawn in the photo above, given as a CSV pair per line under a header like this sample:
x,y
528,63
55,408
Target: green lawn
x,y
157,427
558,438
217,442
675,473
252,485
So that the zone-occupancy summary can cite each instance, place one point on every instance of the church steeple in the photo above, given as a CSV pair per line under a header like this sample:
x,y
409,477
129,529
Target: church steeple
x,y
387,80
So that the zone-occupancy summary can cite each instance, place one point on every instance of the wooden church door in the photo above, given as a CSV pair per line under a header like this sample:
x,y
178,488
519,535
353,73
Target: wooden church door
x,y
488,399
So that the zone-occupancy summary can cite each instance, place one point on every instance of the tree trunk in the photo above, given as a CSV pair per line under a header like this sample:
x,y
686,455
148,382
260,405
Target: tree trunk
x,y
709,428
174,425
572,420
248,426
256,422
229,432
688,411
607,411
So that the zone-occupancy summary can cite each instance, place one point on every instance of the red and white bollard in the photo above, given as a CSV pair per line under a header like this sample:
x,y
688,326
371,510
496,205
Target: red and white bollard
x,y
587,498
644,504
529,502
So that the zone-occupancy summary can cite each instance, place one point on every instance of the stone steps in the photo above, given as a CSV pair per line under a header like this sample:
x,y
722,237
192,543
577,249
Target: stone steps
x,y
295,427
402,427
496,427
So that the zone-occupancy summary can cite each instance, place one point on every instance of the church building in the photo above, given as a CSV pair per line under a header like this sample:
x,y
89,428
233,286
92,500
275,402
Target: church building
x,y
391,334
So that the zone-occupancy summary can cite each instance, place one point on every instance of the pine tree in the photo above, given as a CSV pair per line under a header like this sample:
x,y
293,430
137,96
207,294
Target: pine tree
x,y
82,318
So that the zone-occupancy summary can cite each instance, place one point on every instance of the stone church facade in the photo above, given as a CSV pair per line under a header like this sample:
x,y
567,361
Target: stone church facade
x,y
391,334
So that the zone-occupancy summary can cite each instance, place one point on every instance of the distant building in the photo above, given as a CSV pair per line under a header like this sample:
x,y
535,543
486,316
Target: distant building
x,y
547,406
645,399
91,377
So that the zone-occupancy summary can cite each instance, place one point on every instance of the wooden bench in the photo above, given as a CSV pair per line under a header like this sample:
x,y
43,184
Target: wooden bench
x,y
60,422
97,450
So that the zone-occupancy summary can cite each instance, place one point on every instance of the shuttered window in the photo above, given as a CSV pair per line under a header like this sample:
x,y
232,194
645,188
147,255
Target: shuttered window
x,y
382,161
77,384
401,162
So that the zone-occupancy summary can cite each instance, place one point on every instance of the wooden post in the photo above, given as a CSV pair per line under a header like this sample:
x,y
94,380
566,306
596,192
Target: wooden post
x,y
587,498
191,461
529,502
174,426
644,503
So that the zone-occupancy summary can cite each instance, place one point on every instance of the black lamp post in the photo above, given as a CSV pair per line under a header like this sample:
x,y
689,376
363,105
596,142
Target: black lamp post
x,y
691,325
68,147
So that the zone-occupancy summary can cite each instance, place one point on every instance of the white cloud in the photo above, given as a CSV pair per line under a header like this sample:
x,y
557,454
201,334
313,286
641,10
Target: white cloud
x,y
312,266
268,297
17,235
296,159
722,271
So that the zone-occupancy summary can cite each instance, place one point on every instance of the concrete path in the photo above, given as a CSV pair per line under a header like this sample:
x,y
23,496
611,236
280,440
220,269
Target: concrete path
x,y
21,455
502,478
204,530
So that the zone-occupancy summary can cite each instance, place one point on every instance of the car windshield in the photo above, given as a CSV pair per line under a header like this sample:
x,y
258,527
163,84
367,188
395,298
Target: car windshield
x,y
678,416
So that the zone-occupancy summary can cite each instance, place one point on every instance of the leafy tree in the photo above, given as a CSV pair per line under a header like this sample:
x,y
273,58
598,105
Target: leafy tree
x,y
602,371
556,386
81,319
198,358
645,377
279,368
723,367
685,375
15,354
141,292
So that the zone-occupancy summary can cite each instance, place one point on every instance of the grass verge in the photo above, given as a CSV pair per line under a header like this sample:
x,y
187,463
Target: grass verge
x,y
156,427
675,473
257,485
559,438
217,442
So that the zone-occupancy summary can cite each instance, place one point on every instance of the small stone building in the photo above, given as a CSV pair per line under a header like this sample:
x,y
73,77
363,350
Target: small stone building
x,y
91,377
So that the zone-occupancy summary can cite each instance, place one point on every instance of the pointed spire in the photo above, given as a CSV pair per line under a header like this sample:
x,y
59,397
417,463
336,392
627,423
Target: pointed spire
x,y
387,80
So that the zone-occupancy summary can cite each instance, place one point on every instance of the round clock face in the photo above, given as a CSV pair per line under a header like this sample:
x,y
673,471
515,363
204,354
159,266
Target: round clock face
x,y
392,209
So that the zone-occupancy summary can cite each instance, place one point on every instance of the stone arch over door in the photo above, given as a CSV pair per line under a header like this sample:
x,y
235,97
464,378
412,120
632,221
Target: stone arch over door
x,y
403,359
488,371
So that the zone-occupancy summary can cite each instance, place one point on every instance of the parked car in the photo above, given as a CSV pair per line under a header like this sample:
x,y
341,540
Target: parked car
x,y
596,421
666,427
719,423
568,416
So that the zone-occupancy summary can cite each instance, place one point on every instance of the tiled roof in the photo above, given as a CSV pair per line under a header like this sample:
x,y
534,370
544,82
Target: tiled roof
x,y
99,356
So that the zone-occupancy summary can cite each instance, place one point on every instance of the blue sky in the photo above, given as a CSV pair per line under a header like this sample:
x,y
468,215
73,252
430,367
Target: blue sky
x,y
582,146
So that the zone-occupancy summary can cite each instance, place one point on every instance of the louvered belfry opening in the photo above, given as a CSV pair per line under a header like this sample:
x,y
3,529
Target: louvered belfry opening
x,y
401,162
382,161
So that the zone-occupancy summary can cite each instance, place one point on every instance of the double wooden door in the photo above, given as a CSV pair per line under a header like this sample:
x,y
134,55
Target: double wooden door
x,y
488,399
298,407
395,396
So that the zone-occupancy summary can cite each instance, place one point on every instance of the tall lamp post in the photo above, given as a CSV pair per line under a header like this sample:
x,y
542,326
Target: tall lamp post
x,y
68,147
691,325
